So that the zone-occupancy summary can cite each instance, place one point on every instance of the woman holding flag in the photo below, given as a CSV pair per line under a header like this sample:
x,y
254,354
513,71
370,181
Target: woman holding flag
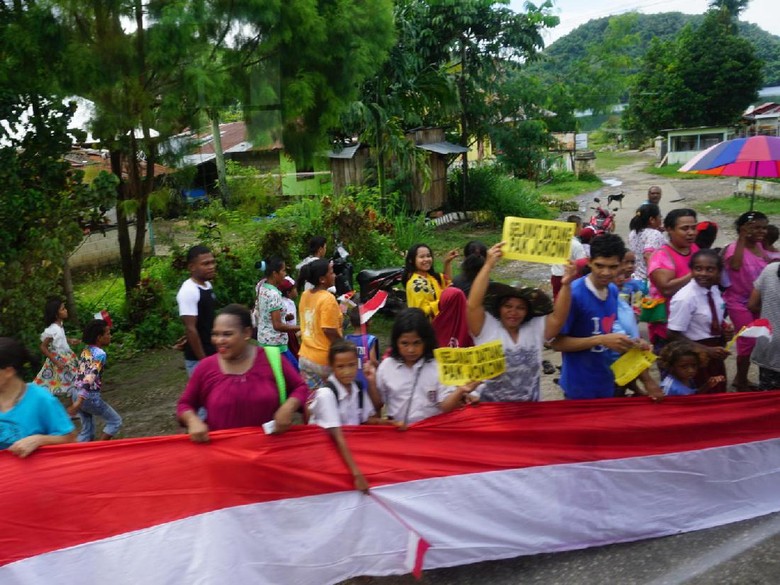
x,y
744,260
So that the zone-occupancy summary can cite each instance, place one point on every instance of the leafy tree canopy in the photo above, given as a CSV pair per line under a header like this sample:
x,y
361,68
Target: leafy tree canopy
x,y
562,59
294,64
705,77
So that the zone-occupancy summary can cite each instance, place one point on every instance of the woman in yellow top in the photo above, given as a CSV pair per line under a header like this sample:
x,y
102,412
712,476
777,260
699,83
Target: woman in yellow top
x,y
321,324
423,283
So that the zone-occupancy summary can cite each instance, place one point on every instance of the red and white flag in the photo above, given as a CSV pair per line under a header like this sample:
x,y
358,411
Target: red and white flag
x,y
104,315
758,328
255,509
372,305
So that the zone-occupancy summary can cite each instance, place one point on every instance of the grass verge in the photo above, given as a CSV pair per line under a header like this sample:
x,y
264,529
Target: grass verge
x,y
610,160
738,205
671,171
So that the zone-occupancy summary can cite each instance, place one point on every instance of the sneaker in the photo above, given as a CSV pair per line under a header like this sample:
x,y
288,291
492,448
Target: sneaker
x,y
547,367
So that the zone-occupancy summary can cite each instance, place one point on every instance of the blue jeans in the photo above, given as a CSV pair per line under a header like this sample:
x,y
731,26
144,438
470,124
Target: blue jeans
x,y
94,405
190,365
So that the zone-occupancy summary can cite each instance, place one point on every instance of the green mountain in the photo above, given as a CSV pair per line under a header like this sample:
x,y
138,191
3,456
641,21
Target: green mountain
x,y
558,60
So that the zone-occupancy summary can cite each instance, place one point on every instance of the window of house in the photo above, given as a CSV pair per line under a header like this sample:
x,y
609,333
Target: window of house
x,y
685,142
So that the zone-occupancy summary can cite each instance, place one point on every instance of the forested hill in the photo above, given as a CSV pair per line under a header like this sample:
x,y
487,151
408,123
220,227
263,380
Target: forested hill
x,y
563,53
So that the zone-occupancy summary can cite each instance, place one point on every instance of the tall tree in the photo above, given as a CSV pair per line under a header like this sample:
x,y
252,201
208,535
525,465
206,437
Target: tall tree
x,y
706,77
150,78
602,77
44,204
481,40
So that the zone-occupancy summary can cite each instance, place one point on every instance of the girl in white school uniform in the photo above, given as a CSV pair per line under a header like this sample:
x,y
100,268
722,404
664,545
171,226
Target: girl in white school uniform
x,y
696,316
408,382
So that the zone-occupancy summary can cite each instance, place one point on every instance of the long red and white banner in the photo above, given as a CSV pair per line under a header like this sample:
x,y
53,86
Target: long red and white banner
x,y
486,482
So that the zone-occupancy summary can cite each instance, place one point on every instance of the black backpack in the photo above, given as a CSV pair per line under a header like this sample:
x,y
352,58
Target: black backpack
x,y
359,383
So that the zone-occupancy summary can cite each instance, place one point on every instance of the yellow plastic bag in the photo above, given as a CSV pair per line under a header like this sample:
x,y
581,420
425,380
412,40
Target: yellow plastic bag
x,y
632,363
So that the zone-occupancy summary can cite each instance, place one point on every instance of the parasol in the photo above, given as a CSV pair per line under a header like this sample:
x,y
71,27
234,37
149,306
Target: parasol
x,y
753,157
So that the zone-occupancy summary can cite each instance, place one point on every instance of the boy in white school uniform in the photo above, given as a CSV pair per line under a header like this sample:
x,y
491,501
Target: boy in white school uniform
x,y
342,402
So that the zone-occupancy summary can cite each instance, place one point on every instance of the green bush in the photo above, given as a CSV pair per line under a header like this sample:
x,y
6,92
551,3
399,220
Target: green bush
x,y
250,191
499,194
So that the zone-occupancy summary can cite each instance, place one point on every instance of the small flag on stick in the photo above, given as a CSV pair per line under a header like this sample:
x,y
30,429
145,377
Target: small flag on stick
x,y
372,305
416,545
104,316
754,330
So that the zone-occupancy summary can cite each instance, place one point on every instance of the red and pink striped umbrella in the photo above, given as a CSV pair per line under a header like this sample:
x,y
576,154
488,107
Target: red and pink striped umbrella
x,y
753,157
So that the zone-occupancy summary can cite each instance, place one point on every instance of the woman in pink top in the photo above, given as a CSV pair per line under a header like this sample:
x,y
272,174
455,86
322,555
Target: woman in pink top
x,y
237,387
668,268
744,259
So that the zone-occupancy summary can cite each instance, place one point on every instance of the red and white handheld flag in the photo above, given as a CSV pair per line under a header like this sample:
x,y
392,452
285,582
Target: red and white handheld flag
x,y
416,545
371,306
105,316
758,328
754,330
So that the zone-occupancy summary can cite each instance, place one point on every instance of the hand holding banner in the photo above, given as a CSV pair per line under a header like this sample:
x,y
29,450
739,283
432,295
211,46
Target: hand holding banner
x,y
632,363
458,366
537,240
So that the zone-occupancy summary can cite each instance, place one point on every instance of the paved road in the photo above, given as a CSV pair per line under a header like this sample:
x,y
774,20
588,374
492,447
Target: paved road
x,y
744,553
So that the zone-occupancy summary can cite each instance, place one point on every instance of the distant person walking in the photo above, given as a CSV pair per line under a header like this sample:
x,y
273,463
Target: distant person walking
x,y
197,306
58,370
744,260
645,236
654,195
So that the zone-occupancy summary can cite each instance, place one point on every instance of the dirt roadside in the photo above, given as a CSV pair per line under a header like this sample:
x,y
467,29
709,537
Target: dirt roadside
x,y
144,390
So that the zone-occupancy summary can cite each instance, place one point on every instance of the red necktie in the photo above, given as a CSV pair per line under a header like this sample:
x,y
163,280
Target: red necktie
x,y
715,323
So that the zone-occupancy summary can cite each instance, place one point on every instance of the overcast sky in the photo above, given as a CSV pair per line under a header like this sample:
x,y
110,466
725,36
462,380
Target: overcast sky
x,y
573,13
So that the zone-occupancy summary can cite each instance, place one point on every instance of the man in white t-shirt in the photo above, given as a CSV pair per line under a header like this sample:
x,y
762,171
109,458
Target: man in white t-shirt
x,y
577,253
197,306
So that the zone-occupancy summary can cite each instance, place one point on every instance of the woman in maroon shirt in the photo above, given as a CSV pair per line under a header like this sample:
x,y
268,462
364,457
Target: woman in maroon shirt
x,y
236,387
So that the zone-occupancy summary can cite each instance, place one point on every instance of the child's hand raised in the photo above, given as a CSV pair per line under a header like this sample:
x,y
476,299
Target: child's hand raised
x,y
451,255
495,253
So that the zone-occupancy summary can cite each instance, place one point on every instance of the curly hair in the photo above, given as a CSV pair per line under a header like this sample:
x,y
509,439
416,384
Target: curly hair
x,y
677,350
93,330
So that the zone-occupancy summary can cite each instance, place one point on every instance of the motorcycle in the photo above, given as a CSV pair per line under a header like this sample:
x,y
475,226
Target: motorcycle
x,y
343,269
601,222
372,281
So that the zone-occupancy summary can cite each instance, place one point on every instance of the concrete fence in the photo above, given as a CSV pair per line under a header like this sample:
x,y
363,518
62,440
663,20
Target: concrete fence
x,y
763,189
99,249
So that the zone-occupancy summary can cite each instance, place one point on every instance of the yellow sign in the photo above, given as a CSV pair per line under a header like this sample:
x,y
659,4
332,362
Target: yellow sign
x,y
459,366
537,240
632,363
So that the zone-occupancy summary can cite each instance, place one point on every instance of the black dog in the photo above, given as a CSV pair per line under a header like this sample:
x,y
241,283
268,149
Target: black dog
x,y
618,197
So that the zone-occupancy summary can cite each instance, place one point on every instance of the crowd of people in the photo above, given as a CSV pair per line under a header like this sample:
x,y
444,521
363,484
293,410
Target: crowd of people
x,y
278,362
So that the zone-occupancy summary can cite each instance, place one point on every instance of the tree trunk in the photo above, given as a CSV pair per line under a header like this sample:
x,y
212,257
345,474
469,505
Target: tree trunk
x,y
219,156
67,285
123,224
464,132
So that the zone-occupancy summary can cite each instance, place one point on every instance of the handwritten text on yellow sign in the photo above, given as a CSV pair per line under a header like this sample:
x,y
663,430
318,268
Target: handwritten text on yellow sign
x,y
537,240
461,365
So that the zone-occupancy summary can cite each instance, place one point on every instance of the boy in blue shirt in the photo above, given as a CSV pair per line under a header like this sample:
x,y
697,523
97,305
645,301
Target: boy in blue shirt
x,y
588,332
